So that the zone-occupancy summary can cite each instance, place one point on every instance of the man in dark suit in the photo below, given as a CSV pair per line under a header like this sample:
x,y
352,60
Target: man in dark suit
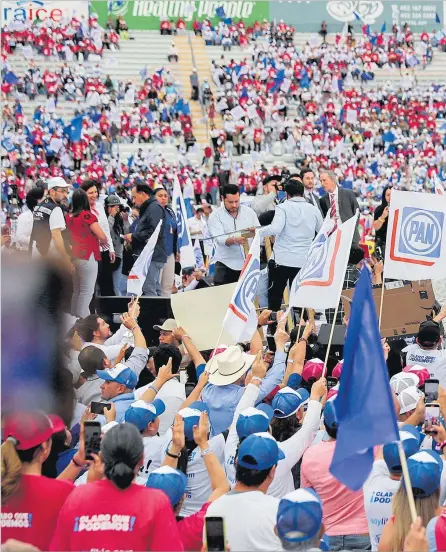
x,y
339,202
307,177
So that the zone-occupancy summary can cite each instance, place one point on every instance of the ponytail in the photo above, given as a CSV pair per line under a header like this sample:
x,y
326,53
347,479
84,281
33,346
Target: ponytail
x,y
121,449
183,460
12,464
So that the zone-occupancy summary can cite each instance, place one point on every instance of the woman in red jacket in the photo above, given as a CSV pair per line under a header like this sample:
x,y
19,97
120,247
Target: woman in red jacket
x,y
85,237
31,502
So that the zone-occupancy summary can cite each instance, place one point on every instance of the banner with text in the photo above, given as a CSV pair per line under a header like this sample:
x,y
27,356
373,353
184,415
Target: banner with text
x,y
147,14
418,14
55,10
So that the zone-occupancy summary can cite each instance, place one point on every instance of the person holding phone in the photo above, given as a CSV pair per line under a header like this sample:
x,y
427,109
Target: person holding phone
x,y
26,447
86,236
112,513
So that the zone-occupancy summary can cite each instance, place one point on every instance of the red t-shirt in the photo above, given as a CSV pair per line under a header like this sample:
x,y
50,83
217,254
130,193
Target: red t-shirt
x,y
102,517
83,241
30,515
191,529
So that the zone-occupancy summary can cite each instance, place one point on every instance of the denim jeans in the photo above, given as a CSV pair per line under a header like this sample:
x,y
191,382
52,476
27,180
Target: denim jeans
x,y
84,281
152,285
349,542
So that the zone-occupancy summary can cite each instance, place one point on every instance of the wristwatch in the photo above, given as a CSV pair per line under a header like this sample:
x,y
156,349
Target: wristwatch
x,y
176,456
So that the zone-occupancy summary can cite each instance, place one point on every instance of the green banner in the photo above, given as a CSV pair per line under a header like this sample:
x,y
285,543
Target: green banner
x,y
146,14
307,15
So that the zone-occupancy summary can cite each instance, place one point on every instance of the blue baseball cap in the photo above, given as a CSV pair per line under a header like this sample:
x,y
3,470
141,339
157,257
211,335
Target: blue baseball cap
x,y
254,420
299,516
191,418
411,445
259,451
294,381
141,413
288,401
120,374
425,469
330,419
173,482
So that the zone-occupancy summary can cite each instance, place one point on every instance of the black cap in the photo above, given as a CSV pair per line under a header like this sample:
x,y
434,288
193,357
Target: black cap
x,y
429,332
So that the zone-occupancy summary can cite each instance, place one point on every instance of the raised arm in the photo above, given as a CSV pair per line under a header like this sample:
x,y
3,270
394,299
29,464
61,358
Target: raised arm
x,y
181,335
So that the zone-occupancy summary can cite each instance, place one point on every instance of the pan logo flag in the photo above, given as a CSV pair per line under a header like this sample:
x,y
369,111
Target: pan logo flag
x,y
416,247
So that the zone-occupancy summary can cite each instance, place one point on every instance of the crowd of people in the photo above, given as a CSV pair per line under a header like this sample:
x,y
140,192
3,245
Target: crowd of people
x,y
174,446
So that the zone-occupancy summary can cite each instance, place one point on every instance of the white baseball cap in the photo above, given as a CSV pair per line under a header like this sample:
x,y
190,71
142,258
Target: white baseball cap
x,y
57,182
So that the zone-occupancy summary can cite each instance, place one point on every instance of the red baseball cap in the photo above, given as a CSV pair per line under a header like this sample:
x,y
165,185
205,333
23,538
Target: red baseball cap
x,y
313,369
337,370
420,371
31,428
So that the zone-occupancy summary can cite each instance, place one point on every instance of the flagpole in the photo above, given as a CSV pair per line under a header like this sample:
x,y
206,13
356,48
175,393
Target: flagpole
x,y
330,338
408,485
300,323
381,303
214,349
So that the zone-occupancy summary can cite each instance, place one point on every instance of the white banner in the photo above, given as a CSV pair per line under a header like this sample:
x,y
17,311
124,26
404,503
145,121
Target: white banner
x,y
55,10
416,236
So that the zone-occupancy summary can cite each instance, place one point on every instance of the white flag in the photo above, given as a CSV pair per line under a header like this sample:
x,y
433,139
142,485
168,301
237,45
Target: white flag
x,y
139,270
416,236
199,260
187,255
439,189
319,282
241,321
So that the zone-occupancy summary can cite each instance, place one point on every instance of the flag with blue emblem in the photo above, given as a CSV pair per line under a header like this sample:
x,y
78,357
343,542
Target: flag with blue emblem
x,y
319,282
199,259
8,145
365,412
357,16
74,129
220,12
416,236
280,77
241,321
211,263
185,248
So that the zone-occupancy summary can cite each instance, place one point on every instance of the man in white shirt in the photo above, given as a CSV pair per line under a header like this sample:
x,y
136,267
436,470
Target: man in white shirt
x,y
249,513
225,225
427,350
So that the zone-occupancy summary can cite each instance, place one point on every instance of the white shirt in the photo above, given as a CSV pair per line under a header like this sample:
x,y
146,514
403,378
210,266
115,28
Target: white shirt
x,y
99,211
173,394
249,519
423,357
196,227
112,346
378,493
24,229
221,222
198,488
152,455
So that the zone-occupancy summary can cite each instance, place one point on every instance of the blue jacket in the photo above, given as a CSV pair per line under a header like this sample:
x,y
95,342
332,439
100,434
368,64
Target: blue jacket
x,y
122,402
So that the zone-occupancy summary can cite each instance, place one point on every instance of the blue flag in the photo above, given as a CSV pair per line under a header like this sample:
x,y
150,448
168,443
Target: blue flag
x,y
364,407
280,77
437,18
74,129
228,21
357,16
374,168
130,162
384,27
367,30
8,145
220,12
11,78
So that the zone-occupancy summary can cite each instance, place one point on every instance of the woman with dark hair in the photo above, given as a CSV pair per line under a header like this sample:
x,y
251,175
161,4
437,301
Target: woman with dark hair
x,y
114,513
25,219
381,219
28,440
105,272
85,237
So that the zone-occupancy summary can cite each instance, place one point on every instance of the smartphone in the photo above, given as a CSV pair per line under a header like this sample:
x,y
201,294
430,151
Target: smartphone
x,y
215,534
431,390
189,387
92,435
331,382
98,407
271,343
431,417
273,317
